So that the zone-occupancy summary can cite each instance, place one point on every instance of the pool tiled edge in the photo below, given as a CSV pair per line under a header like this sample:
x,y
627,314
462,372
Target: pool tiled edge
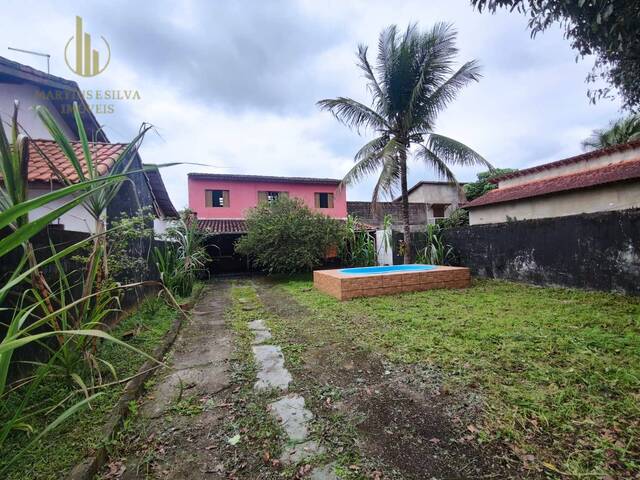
x,y
346,287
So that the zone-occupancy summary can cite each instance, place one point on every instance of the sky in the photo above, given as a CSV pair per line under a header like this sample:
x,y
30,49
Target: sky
x,y
232,86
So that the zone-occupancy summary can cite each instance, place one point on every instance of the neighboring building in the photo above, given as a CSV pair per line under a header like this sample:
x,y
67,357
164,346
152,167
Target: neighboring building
x,y
418,214
598,181
31,88
440,198
221,202
228,197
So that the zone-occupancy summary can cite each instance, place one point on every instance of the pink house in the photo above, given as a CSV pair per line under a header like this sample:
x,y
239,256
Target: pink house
x,y
222,197
221,202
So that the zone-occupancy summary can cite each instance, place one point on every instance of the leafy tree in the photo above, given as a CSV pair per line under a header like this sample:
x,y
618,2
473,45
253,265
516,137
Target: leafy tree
x,y
285,236
482,185
624,130
412,81
607,29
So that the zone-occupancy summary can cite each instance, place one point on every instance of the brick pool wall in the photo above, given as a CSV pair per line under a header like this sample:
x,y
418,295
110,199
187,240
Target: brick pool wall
x,y
346,287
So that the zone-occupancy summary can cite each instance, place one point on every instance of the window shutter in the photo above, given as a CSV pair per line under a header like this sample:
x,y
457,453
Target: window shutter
x,y
317,200
262,197
208,198
330,200
225,199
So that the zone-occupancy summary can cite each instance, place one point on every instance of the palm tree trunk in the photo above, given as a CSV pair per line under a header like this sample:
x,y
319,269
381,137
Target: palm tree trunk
x,y
405,207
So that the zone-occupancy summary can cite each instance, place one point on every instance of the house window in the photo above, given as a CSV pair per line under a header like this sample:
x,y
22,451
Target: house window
x,y
324,200
271,196
216,198
438,210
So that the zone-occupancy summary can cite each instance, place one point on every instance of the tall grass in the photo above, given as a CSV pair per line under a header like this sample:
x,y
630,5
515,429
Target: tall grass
x,y
41,311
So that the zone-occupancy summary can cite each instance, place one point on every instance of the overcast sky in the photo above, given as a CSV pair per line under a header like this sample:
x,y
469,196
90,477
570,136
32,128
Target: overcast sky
x,y
233,84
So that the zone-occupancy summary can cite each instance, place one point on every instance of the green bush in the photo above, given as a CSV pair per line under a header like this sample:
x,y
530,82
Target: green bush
x,y
285,236
482,185
458,218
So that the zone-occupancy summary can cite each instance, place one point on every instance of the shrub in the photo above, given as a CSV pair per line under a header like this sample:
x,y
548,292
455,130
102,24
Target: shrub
x,y
435,251
482,185
458,218
183,255
358,248
285,236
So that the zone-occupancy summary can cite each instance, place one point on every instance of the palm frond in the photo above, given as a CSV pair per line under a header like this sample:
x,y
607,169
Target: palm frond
x,y
387,181
439,165
353,113
379,97
454,152
375,145
435,102
372,162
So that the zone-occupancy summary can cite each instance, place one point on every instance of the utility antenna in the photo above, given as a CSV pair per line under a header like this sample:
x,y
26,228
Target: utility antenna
x,y
30,52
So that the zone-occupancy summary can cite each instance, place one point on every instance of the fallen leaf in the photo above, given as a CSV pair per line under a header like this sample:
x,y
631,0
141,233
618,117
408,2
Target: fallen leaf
x,y
234,440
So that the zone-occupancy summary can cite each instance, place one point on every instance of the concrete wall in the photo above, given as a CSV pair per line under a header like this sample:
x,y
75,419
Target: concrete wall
x,y
243,195
28,97
362,210
439,193
618,196
75,220
594,251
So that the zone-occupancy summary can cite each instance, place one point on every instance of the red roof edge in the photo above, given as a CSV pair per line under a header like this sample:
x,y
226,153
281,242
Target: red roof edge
x,y
567,161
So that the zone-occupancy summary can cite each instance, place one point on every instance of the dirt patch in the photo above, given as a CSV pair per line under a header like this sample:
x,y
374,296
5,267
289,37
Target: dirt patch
x,y
180,430
408,423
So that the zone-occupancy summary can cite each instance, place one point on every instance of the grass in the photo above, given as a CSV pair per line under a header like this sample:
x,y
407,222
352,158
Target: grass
x,y
57,453
559,369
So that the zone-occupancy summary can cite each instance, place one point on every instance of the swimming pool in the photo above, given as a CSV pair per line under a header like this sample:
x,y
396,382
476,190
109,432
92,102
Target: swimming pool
x,y
348,283
414,267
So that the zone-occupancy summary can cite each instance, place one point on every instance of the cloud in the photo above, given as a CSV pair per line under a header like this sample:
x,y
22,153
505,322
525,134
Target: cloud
x,y
233,85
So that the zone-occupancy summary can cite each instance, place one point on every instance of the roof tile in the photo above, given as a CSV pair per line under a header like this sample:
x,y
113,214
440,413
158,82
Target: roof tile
x,y
614,172
42,153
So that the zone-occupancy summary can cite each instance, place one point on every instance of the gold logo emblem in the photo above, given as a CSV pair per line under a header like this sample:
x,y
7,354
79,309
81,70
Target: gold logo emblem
x,y
87,60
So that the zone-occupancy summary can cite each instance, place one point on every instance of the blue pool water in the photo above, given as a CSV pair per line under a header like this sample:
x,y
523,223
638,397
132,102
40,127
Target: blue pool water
x,y
387,269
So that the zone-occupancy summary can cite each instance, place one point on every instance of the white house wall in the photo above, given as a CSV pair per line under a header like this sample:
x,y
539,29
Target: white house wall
x,y
620,196
27,95
576,167
77,219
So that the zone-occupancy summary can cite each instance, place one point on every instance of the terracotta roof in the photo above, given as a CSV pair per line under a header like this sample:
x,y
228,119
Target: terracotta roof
x,y
567,161
220,226
160,192
104,154
615,172
262,178
223,226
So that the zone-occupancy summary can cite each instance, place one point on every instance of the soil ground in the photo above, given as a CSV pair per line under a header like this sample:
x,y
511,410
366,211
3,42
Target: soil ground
x,y
377,420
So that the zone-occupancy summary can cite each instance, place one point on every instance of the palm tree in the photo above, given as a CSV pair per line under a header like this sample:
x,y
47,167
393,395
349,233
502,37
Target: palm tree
x,y
412,81
623,130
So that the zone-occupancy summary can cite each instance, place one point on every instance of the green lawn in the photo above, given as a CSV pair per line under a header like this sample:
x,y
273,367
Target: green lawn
x,y
559,369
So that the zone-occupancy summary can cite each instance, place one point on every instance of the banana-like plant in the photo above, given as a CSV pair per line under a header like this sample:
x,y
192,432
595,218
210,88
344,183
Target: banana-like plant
x,y
34,309
98,200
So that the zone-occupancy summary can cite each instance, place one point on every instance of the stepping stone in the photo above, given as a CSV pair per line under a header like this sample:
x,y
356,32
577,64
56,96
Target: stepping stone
x,y
257,325
324,473
301,451
262,333
261,337
271,371
292,415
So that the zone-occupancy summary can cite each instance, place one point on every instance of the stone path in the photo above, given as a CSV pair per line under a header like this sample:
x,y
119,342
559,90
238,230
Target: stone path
x,y
200,376
289,410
